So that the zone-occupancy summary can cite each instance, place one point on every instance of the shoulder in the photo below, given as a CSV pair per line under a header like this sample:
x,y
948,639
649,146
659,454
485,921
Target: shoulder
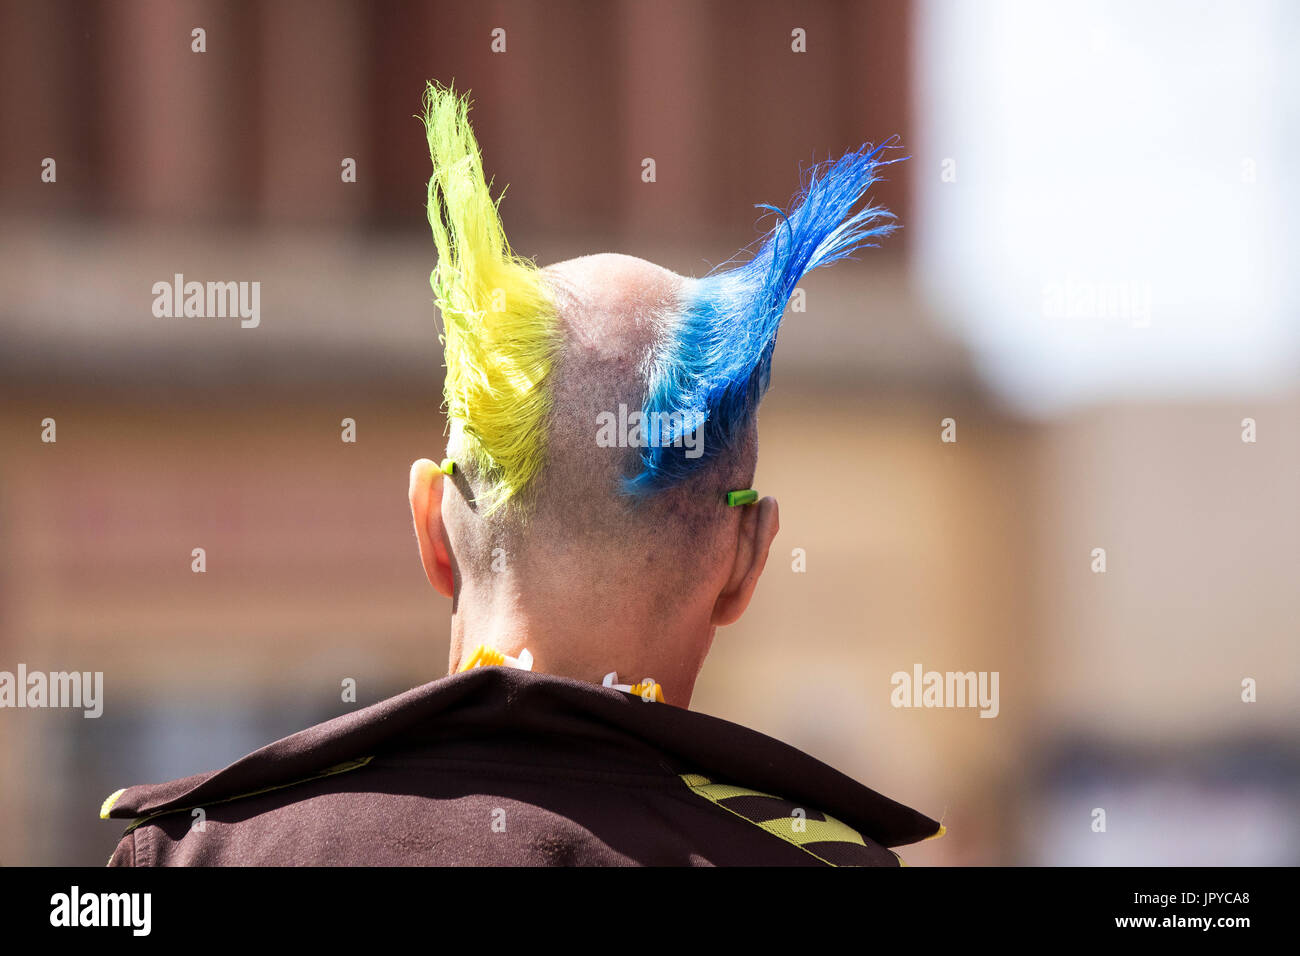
x,y
165,815
501,766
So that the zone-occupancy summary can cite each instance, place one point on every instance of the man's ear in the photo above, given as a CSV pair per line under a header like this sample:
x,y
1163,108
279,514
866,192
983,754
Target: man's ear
x,y
759,524
426,511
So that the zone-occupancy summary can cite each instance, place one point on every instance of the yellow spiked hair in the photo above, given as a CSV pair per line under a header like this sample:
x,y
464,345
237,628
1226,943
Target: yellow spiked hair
x,y
500,330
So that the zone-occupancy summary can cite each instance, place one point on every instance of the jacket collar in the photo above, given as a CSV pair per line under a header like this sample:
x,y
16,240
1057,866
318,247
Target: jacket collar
x,y
489,700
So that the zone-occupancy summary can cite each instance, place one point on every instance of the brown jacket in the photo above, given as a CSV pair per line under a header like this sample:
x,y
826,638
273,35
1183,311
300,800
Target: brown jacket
x,y
498,766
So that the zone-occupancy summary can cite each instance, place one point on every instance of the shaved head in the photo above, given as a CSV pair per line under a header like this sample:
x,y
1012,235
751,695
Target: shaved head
x,y
599,411
614,313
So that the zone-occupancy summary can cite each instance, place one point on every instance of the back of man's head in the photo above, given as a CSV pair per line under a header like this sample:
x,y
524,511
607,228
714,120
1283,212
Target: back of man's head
x,y
601,409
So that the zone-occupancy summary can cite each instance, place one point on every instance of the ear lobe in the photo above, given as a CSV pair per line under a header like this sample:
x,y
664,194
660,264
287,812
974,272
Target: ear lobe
x,y
426,511
759,524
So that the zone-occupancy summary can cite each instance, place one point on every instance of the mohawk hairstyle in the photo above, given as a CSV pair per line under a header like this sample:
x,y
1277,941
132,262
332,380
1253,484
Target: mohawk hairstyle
x,y
712,367
500,327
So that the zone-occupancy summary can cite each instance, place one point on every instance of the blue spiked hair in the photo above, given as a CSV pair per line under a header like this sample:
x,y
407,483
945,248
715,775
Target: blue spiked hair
x,y
712,368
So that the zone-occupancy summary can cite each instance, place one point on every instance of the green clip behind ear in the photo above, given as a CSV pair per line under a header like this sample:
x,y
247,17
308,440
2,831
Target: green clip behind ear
x,y
746,497
447,467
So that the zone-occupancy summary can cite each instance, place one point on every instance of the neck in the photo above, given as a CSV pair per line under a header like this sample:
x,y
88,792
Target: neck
x,y
571,635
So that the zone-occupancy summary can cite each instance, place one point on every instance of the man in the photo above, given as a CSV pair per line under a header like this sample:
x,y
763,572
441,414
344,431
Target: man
x,y
593,526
